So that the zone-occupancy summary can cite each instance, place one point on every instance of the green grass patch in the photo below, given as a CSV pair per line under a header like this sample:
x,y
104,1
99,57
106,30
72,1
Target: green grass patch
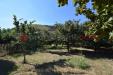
x,y
80,62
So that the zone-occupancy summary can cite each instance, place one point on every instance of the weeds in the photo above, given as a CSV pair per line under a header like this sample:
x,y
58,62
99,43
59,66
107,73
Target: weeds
x,y
80,62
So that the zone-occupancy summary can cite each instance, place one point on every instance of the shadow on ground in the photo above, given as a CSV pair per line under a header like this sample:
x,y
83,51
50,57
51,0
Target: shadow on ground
x,y
49,68
100,53
6,67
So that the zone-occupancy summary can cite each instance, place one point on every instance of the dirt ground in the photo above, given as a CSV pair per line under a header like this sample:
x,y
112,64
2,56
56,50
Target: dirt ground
x,y
52,63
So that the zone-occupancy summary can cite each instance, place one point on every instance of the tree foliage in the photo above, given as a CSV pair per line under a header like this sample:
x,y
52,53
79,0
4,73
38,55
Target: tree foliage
x,y
70,31
101,15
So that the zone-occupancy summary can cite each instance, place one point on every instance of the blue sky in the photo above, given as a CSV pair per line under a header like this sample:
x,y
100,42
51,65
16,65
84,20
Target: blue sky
x,y
43,11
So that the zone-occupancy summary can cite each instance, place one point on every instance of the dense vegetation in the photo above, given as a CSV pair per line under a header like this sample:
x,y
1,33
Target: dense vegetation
x,y
42,36
99,14
29,38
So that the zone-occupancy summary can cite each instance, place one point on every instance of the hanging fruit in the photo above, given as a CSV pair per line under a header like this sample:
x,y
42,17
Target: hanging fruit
x,y
23,38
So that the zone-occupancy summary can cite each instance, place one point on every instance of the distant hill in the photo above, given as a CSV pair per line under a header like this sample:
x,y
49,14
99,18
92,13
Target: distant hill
x,y
44,27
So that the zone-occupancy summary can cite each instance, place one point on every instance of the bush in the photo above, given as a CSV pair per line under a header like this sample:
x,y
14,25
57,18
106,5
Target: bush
x,y
79,62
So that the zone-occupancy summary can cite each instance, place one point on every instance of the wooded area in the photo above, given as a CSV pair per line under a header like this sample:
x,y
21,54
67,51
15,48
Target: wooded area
x,y
69,48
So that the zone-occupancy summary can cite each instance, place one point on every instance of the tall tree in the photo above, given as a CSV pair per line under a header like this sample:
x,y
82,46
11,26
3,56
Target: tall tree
x,y
101,15
70,31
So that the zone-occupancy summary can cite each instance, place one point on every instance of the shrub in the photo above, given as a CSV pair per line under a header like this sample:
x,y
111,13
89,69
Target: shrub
x,y
79,62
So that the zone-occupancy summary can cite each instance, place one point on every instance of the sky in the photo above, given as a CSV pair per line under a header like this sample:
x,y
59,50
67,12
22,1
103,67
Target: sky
x,y
45,12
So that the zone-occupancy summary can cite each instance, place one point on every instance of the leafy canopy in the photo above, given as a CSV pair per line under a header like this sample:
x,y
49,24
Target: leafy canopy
x,y
101,15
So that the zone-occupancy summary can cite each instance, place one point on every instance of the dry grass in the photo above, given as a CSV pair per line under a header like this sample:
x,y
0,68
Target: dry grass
x,y
49,64
102,66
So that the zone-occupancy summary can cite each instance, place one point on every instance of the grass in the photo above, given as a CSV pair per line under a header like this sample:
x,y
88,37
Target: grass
x,y
80,62
39,63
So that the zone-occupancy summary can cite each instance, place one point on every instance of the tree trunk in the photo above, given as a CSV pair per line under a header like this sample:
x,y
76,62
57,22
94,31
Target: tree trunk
x,y
68,45
24,54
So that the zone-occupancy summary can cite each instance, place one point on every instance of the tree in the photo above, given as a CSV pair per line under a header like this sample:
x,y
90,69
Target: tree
x,y
101,15
21,29
70,30
23,38
16,23
36,38
57,36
